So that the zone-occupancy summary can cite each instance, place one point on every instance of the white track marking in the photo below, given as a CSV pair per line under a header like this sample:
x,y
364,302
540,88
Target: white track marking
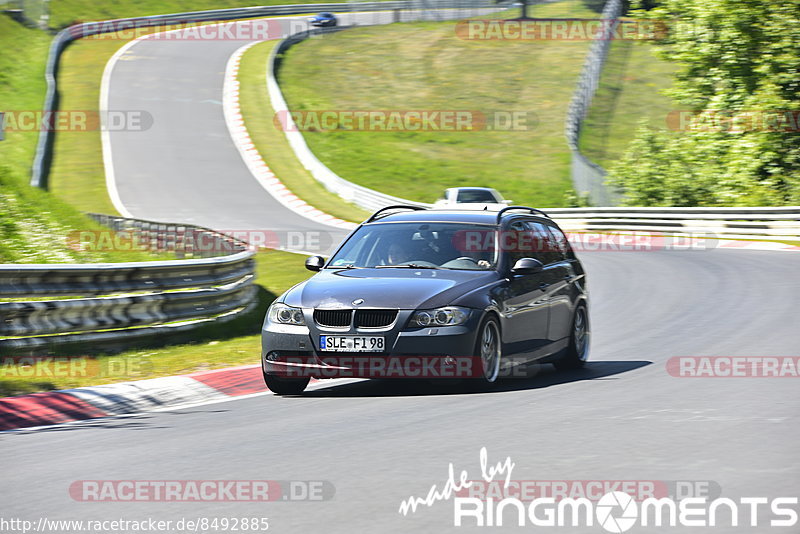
x,y
255,163
233,119
105,135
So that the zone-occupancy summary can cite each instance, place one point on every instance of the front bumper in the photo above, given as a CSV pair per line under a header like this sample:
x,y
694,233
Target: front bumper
x,y
438,352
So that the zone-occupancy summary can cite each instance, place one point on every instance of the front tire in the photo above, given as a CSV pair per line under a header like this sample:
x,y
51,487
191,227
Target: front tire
x,y
578,349
489,348
285,386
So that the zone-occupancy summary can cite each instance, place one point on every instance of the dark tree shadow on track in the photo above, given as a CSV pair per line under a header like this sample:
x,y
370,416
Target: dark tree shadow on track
x,y
538,377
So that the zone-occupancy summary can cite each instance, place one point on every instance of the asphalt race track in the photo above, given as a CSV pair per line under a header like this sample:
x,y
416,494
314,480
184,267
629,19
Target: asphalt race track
x,y
185,167
193,171
623,417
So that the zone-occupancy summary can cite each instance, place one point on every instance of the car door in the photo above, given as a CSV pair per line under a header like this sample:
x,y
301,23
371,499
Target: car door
x,y
560,278
525,307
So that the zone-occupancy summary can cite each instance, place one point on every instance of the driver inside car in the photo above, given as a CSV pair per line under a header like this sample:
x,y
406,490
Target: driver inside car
x,y
397,254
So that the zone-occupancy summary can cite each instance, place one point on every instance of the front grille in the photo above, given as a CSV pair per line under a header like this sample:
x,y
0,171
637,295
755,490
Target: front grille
x,y
332,317
375,318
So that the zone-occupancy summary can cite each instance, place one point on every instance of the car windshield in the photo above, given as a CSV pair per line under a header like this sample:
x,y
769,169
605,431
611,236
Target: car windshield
x,y
419,245
473,196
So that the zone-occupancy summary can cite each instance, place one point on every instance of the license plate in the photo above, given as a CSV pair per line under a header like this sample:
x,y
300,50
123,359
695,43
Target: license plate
x,y
351,343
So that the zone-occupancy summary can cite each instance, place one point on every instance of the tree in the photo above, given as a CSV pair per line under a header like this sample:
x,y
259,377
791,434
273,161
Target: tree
x,y
740,59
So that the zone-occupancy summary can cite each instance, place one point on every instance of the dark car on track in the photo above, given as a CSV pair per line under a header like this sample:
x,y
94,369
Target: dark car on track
x,y
446,292
323,20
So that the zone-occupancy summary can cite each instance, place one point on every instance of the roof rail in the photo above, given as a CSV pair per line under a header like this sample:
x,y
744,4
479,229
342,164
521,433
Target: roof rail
x,y
509,208
395,207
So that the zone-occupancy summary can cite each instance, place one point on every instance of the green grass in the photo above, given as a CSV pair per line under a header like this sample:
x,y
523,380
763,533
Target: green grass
x,y
424,66
77,174
36,227
22,88
272,144
629,93
211,347
66,12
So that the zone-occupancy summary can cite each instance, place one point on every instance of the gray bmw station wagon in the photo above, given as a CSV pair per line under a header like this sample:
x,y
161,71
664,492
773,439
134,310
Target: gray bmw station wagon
x,y
432,293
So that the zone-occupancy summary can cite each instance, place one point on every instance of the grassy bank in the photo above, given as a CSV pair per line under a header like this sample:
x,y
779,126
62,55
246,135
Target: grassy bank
x,y
424,66
22,88
77,174
629,93
35,227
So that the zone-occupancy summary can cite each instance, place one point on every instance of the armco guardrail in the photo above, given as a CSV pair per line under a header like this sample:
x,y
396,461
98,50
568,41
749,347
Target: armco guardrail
x,y
587,176
146,297
43,156
733,223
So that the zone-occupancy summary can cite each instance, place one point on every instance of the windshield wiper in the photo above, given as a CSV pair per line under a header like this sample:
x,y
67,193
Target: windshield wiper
x,y
407,266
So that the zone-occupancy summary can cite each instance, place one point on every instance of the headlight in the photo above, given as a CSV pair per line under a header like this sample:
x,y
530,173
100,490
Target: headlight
x,y
281,313
449,316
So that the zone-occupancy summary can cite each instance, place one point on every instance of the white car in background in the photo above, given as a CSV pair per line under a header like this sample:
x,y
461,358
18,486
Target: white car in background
x,y
477,198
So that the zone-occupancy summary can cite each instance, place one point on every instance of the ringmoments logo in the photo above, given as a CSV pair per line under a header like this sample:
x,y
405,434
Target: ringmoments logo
x,y
615,511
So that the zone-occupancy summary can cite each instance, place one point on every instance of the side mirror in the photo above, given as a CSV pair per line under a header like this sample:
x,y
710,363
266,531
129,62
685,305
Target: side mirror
x,y
527,266
315,263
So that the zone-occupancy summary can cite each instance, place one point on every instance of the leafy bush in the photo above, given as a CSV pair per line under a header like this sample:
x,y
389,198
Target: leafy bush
x,y
734,57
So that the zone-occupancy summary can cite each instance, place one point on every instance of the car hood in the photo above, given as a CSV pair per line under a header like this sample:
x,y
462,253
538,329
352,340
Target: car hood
x,y
386,288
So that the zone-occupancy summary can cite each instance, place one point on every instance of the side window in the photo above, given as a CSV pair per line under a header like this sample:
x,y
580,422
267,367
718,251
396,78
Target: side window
x,y
516,241
561,241
544,244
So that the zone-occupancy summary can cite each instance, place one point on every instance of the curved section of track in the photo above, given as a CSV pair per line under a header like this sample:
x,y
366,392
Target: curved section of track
x,y
186,168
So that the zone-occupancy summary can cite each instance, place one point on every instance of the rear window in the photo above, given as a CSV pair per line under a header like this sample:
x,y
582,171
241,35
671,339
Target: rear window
x,y
475,196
